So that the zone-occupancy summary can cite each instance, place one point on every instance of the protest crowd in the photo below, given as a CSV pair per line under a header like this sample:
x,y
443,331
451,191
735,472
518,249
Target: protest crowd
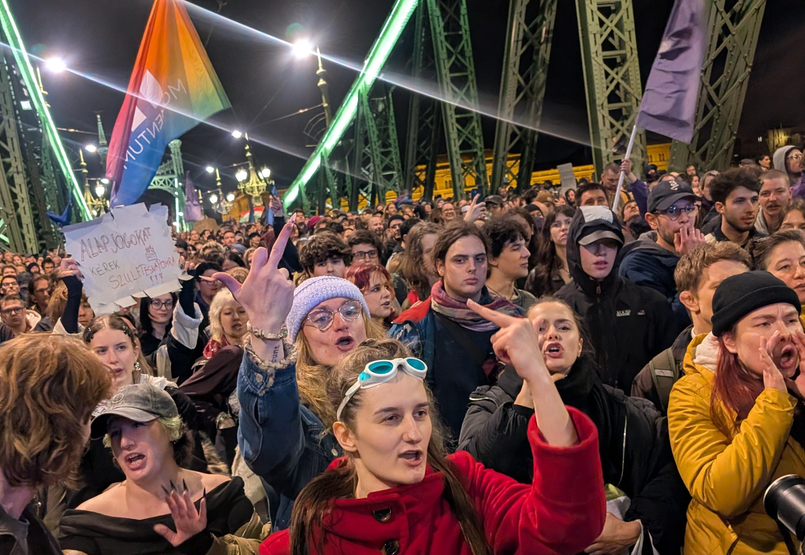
x,y
528,372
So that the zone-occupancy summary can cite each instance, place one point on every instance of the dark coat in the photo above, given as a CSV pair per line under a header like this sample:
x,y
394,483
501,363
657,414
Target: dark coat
x,y
646,263
453,371
642,466
627,323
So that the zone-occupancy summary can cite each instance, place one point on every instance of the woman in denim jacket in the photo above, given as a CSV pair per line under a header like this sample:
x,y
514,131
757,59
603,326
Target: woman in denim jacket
x,y
295,338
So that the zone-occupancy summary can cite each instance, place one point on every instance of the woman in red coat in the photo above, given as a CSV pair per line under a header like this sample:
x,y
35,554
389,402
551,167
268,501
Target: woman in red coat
x,y
395,491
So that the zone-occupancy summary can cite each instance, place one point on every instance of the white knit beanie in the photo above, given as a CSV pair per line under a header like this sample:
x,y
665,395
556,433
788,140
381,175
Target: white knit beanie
x,y
317,290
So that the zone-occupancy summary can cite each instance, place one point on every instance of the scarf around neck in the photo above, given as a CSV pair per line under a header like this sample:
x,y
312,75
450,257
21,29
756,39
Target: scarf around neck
x,y
212,347
447,306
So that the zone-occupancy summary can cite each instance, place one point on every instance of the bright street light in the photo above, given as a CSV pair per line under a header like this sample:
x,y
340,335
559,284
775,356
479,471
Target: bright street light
x,y
242,175
237,134
213,199
265,173
91,148
302,48
100,190
230,197
209,169
56,65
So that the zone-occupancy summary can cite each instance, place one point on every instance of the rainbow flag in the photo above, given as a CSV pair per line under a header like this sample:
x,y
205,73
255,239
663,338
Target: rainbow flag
x,y
173,88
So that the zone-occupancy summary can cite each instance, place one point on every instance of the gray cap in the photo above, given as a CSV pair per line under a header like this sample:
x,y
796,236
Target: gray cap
x,y
141,402
598,235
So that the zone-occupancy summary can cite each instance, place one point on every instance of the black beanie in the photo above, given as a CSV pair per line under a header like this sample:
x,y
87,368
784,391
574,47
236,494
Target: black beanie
x,y
739,295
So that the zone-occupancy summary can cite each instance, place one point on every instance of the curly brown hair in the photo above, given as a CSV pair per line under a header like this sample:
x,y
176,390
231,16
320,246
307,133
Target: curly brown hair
x,y
320,248
49,386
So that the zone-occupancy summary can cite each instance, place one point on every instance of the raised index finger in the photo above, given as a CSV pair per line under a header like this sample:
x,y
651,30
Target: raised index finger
x,y
502,320
279,245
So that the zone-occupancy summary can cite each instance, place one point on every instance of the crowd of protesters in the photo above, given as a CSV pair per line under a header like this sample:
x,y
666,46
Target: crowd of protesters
x,y
529,372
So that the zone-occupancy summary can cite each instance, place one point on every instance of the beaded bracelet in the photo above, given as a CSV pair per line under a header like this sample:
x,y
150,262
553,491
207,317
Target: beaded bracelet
x,y
265,336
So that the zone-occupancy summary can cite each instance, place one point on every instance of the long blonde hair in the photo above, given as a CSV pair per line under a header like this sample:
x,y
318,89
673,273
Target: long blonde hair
x,y
311,377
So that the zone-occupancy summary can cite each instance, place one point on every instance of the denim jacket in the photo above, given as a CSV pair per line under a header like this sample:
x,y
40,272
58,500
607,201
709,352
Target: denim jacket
x,y
420,338
282,441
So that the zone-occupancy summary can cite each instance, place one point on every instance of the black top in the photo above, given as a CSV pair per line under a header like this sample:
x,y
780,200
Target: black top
x,y
456,372
228,509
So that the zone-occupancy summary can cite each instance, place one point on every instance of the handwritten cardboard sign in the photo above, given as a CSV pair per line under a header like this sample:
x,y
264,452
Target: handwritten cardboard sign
x,y
125,254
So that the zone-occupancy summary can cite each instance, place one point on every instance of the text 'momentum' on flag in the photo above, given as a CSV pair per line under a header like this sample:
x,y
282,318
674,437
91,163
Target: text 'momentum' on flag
x,y
669,102
173,88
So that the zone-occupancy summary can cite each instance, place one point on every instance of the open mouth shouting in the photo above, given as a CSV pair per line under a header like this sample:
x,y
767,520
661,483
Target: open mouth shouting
x,y
135,461
553,350
412,457
345,343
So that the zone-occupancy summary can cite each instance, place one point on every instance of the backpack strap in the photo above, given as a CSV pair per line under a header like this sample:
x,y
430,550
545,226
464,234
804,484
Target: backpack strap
x,y
665,371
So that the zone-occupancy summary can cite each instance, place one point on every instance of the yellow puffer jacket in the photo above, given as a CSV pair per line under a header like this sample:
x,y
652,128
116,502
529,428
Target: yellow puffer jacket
x,y
728,474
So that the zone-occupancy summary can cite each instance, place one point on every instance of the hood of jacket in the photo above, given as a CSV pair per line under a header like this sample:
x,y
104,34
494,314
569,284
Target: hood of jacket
x,y
702,355
647,243
585,222
779,158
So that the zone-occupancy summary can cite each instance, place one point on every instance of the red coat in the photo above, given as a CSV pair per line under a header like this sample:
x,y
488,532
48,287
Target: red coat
x,y
562,512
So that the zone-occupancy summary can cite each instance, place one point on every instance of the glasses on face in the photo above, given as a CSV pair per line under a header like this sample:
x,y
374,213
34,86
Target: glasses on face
x,y
323,318
796,156
11,311
156,304
363,255
674,212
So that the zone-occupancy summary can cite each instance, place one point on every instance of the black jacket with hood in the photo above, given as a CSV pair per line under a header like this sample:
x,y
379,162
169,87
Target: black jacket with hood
x,y
628,324
632,437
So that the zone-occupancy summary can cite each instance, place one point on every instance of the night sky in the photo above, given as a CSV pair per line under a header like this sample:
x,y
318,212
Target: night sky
x,y
100,38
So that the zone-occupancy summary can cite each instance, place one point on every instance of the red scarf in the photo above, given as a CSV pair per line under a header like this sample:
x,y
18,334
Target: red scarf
x,y
213,346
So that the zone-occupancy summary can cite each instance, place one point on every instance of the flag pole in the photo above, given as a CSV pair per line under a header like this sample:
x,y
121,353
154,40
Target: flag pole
x,y
623,174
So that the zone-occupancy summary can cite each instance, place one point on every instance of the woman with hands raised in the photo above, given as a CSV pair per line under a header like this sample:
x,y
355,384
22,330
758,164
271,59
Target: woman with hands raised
x,y
550,363
295,338
516,343
735,418
161,506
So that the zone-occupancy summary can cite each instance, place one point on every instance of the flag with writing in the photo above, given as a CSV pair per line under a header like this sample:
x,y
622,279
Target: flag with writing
x,y
172,89
192,206
669,102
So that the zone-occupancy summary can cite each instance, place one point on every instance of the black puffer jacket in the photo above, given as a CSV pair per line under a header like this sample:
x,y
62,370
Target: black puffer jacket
x,y
642,466
627,324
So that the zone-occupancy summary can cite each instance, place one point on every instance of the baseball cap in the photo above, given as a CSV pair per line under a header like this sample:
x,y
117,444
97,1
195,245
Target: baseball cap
x,y
494,199
140,402
667,192
598,235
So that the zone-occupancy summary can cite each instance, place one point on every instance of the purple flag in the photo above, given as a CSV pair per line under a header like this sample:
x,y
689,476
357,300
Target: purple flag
x,y
192,206
669,103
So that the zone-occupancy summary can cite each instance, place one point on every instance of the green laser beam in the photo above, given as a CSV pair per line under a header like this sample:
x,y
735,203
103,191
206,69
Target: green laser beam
x,y
379,53
28,75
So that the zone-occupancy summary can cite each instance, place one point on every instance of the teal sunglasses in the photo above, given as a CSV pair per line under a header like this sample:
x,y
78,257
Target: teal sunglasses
x,y
383,371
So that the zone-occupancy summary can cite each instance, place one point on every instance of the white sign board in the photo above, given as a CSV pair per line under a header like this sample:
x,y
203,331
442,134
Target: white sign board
x,y
567,177
125,254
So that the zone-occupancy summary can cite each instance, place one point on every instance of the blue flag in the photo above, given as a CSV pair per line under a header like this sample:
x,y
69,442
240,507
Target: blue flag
x,y
270,213
669,102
